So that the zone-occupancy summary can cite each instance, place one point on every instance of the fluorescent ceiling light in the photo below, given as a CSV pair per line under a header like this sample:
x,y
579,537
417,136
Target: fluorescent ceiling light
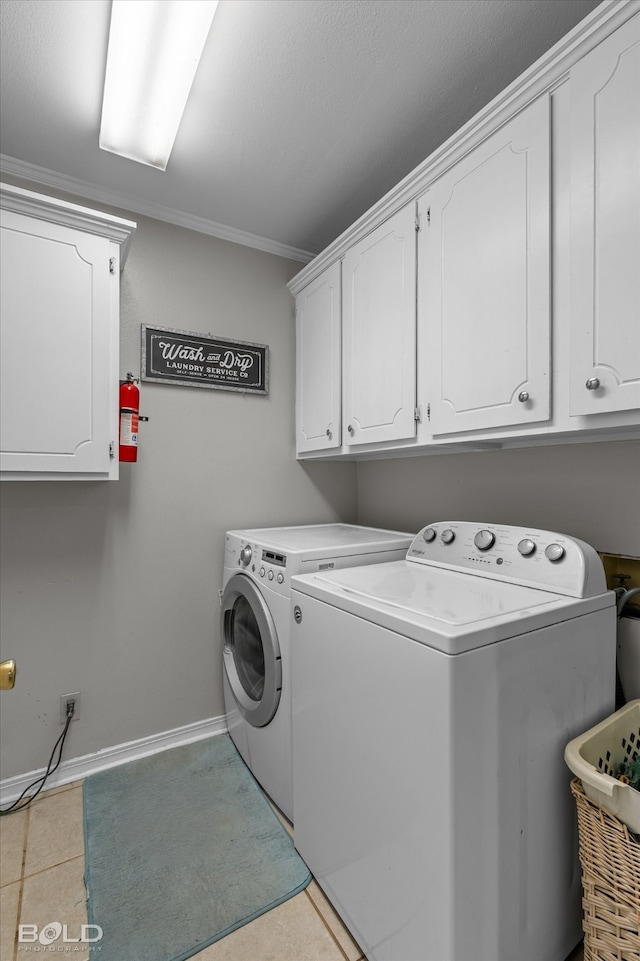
x,y
154,50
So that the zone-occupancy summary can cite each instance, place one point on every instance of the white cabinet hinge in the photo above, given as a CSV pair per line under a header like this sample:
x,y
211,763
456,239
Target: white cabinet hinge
x,y
418,224
428,215
112,450
417,415
112,265
428,411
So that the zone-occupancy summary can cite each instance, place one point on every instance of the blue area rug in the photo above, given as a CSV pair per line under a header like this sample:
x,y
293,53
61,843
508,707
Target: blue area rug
x,y
182,848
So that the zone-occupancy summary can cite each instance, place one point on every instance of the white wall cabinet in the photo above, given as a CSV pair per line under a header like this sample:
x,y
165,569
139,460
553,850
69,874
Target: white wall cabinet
x,y
527,268
59,317
605,224
379,333
484,281
318,363
356,344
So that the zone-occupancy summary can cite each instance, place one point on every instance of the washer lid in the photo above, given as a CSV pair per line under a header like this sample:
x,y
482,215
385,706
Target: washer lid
x,y
449,610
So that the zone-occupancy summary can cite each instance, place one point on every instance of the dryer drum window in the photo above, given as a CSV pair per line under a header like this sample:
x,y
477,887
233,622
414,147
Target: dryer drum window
x,y
243,638
251,651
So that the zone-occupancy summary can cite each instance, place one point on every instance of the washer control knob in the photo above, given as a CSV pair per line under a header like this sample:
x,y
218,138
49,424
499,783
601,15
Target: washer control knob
x,y
280,578
484,540
270,575
262,572
448,537
526,546
245,555
554,552
429,534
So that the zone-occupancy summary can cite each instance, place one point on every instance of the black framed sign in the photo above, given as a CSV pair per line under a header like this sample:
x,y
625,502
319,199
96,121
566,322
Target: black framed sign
x,y
190,359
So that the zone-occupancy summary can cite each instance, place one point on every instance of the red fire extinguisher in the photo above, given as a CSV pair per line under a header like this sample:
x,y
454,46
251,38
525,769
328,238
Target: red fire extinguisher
x,y
129,418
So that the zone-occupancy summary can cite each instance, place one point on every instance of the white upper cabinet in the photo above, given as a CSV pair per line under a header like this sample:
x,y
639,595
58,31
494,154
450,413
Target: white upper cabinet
x,y
605,225
379,333
484,281
318,345
59,337
511,317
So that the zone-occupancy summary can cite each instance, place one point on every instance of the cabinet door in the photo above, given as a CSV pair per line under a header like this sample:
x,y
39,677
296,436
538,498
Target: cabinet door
x,y
318,390
484,284
379,337
605,225
56,348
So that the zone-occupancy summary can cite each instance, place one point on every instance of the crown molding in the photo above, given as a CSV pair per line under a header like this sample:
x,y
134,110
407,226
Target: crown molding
x,y
546,73
71,215
82,188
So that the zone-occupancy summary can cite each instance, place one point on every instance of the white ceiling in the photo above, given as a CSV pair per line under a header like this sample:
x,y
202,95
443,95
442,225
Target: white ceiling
x,y
302,115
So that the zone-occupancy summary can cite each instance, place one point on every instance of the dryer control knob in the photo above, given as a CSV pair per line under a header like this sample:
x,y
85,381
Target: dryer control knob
x,y
280,578
246,554
429,534
262,572
270,575
554,552
484,540
448,537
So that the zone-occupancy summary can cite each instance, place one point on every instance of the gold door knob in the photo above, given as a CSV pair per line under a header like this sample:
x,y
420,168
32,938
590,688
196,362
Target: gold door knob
x,y
8,673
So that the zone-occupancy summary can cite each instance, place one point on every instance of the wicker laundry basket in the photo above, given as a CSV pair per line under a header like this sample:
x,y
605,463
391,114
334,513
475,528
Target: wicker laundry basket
x,y
610,859
595,758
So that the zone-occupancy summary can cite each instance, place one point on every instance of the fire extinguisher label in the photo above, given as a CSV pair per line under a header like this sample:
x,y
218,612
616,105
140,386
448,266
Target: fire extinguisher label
x,y
129,429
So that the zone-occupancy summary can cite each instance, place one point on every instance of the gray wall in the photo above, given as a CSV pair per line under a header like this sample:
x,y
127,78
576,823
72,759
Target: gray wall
x,y
590,491
111,588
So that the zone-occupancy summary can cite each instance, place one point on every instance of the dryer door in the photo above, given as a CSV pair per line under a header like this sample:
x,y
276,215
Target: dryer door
x,y
251,652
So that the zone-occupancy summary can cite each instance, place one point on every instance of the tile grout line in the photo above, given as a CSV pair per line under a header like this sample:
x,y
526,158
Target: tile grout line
x,y
25,841
50,867
328,927
55,791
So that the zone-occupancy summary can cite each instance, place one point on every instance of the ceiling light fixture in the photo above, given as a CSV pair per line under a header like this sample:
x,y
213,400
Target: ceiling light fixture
x,y
154,50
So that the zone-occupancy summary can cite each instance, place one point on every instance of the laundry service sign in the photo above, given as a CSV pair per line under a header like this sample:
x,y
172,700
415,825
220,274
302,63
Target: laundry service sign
x,y
190,359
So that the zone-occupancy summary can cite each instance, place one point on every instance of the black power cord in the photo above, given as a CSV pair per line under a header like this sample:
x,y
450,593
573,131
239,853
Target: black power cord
x,y
16,806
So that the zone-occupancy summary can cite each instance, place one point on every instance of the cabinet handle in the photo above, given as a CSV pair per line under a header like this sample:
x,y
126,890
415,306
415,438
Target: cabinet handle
x,y
329,434
351,429
523,396
593,383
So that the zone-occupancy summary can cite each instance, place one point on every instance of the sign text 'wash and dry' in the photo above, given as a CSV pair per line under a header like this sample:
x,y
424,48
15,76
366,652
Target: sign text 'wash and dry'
x,y
191,359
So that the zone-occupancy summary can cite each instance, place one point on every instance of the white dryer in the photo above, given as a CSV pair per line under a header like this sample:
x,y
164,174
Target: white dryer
x,y
256,632
433,700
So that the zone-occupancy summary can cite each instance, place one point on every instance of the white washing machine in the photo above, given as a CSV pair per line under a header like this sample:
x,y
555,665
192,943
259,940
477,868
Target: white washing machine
x,y
256,632
433,700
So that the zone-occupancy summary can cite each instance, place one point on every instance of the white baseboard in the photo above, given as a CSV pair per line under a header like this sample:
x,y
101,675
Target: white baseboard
x,y
80,767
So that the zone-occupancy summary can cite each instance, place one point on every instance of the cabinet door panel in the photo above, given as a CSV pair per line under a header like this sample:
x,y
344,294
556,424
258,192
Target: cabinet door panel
x,y
55,346
484,281
318,368
605,225
379,313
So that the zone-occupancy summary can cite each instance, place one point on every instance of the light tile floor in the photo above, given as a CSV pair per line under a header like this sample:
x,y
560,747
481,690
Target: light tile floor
x,y
41,879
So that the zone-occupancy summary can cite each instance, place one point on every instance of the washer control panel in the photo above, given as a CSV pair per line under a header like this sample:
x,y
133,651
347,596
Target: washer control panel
x,y
269,568
258,561
267,565
543,559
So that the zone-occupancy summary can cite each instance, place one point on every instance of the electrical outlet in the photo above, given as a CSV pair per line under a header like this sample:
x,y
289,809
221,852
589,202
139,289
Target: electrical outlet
x,y
66,699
